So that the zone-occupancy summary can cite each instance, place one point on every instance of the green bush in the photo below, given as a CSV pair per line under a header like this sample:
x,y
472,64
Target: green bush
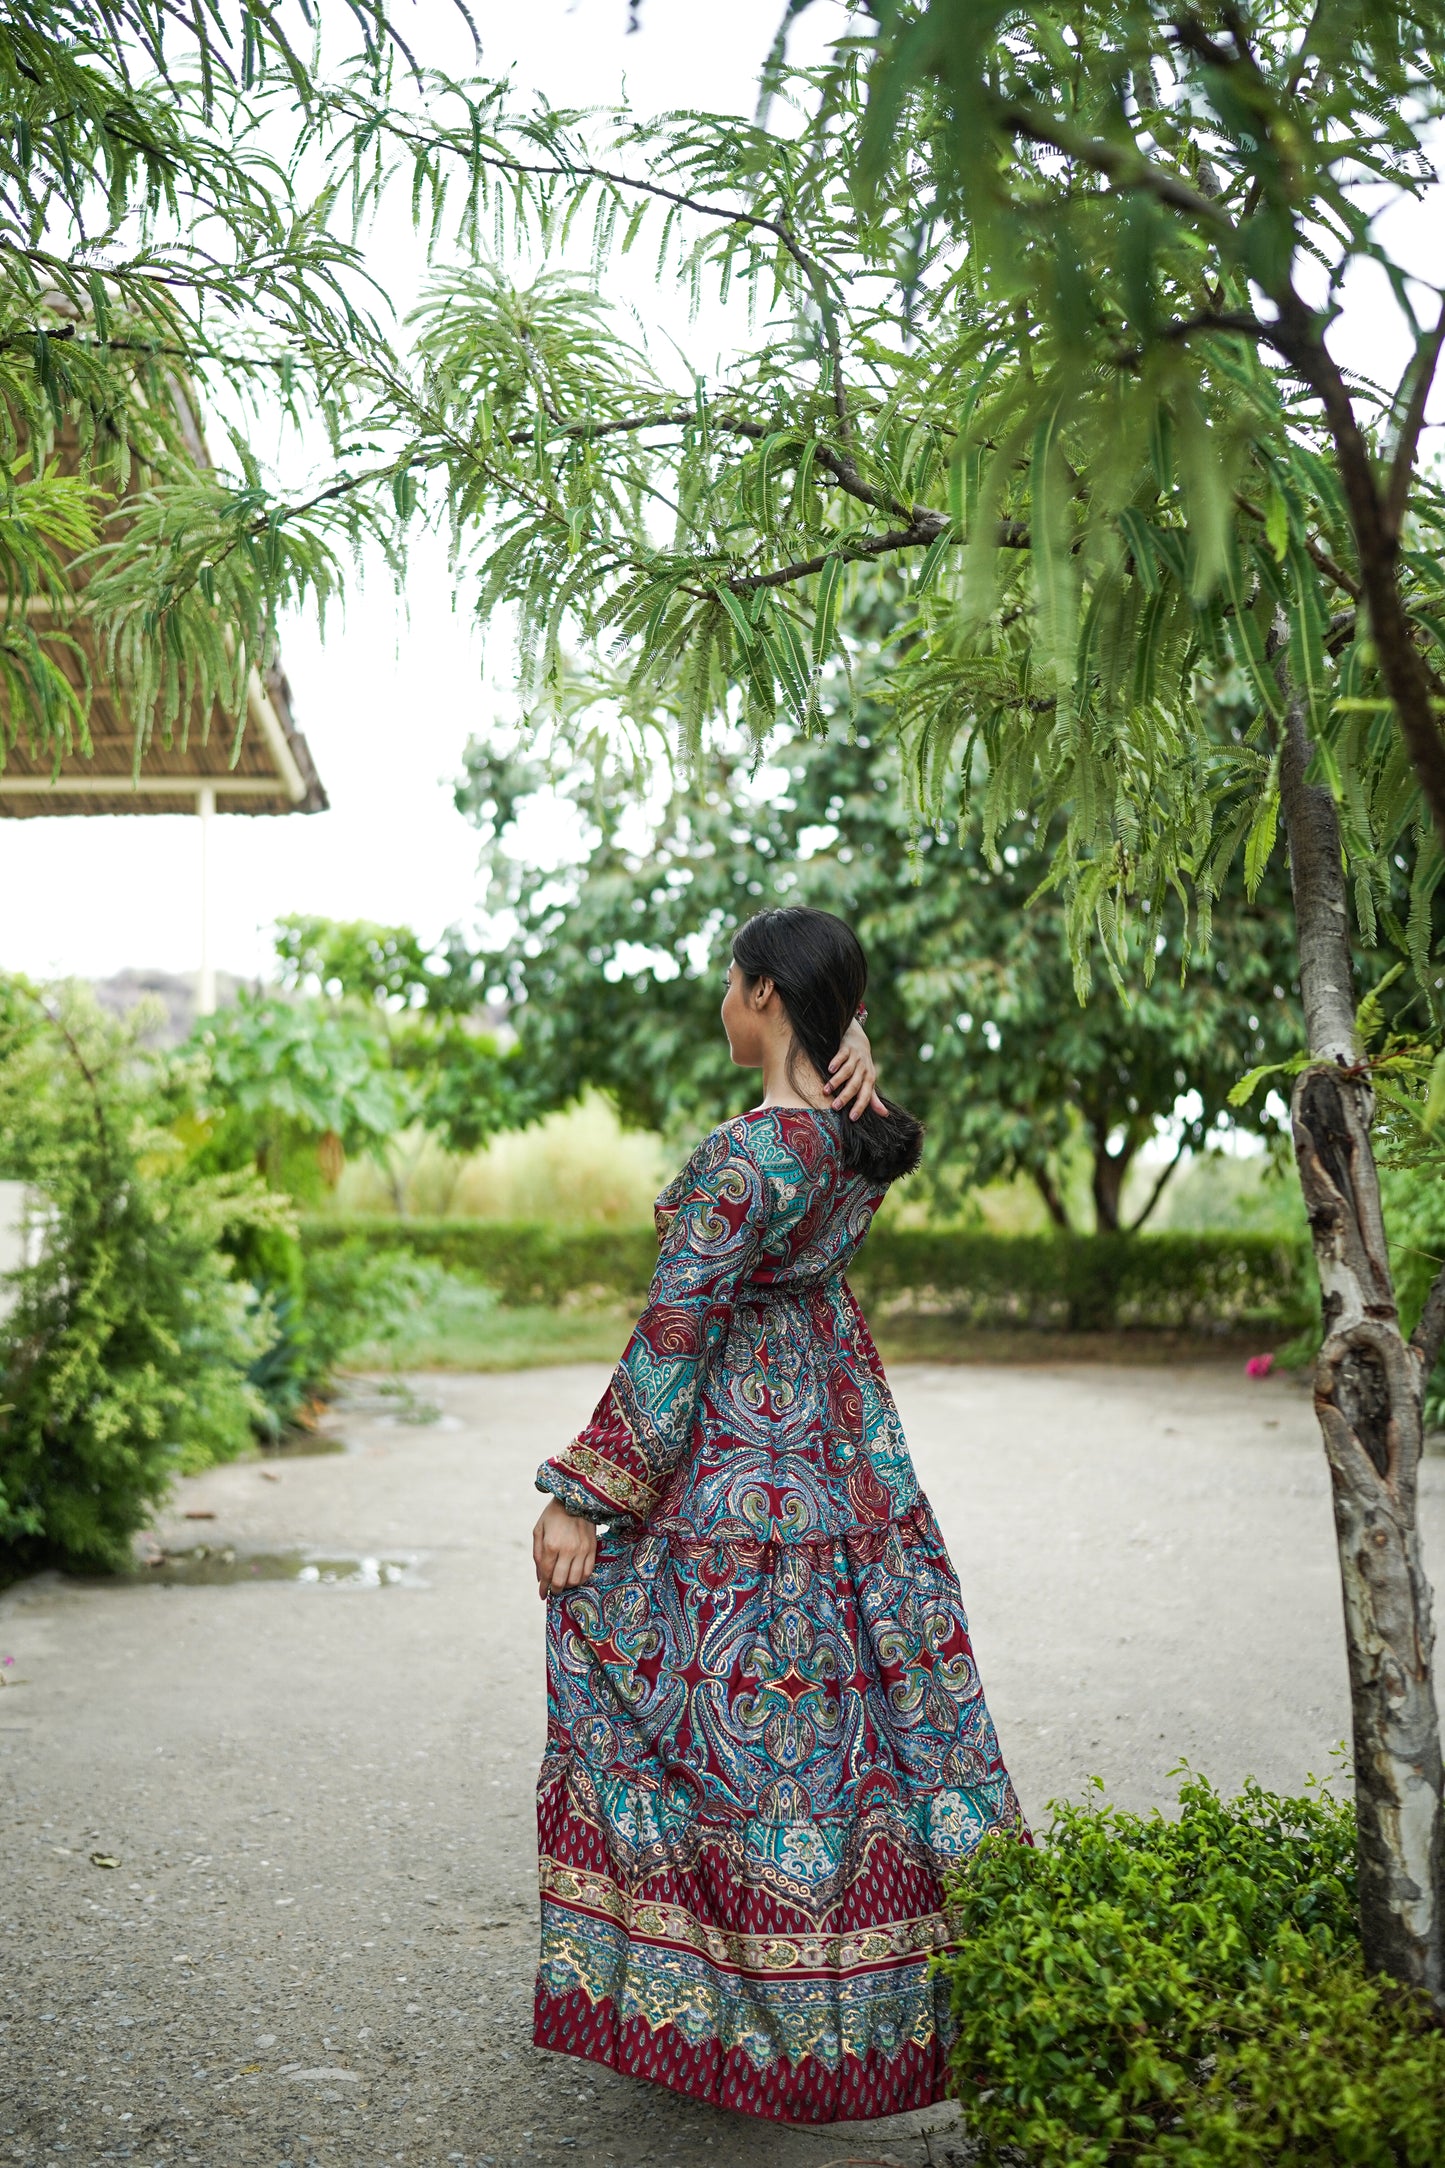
x,y
1158,1990
1083,1282
357,1295
123,1358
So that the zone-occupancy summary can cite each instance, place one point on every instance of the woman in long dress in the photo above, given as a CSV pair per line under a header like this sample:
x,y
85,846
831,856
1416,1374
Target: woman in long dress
x,y
766,1736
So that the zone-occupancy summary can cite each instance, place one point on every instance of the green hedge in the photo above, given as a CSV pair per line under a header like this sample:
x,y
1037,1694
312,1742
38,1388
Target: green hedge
x,y
1085,1283
1200,1282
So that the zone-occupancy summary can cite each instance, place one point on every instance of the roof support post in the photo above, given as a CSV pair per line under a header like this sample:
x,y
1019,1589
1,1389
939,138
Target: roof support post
x,y
206,990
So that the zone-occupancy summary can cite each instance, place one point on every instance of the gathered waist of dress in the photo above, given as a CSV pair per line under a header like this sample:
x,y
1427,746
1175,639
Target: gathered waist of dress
x,y
861,1541
797,1287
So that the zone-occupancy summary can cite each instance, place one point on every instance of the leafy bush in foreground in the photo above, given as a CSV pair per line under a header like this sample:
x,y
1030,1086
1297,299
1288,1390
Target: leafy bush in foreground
x,y
1155,1991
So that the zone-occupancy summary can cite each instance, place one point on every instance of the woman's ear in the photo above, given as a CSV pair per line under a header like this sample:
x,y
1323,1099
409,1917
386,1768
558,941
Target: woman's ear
x,y
760,993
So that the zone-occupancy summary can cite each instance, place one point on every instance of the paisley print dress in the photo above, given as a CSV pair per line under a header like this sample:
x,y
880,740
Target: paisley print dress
x,y
766,1735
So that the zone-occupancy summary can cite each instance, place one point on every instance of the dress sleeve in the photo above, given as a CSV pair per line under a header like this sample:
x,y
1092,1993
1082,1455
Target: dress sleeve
x,y
643,1423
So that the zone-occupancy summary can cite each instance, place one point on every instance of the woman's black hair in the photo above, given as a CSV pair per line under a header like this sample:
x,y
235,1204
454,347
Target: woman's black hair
x,y
817,964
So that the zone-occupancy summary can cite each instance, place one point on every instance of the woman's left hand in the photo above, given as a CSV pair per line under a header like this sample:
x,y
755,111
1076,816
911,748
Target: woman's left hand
x,y
564,1551
853,1075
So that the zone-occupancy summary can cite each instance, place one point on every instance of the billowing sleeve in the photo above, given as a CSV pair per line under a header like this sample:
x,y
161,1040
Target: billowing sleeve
x,y
643,1423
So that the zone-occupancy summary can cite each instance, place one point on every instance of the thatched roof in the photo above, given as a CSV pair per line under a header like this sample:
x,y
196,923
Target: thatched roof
x,y
274,772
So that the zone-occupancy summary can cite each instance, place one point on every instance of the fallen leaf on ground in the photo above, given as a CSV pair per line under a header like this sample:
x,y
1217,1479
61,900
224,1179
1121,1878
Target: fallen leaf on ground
x,y
198,1513
104,1859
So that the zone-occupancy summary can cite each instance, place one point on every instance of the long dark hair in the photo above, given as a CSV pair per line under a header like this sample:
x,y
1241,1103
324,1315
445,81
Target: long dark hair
x,y
817,964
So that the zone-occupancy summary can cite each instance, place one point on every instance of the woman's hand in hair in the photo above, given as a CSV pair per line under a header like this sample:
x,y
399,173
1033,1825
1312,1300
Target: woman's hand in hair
x,y
564,1551
852,1076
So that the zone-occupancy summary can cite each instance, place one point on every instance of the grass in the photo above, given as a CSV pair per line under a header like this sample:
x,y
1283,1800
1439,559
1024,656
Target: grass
x,y
465,1328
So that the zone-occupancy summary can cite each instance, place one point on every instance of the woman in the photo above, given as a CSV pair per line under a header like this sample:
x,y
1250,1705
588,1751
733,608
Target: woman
x,y
766,1736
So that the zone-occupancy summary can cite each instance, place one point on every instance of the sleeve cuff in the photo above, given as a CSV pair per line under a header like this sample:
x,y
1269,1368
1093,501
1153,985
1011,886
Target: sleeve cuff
x,y
585,1482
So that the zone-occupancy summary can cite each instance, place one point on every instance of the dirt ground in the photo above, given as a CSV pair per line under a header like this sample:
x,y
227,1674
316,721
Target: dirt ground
x,y
269,1893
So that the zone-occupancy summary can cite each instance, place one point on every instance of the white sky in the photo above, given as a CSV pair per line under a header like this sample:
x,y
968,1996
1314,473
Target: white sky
x,y
389,700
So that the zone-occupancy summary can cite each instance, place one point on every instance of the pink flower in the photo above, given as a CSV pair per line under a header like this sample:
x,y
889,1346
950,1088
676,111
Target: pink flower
x,y
1259,1366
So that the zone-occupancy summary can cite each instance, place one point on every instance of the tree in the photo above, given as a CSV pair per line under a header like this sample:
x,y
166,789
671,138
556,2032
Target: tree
x,y
1204,161
616,974
291,1086
427,1006
1052,296
149,247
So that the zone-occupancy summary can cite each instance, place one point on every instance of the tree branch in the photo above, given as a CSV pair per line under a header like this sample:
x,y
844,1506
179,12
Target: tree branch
x,y
1158,1190
1317,881
1053,1202
582,169
926,529
1402,465
1125,166
1318,556
1407,678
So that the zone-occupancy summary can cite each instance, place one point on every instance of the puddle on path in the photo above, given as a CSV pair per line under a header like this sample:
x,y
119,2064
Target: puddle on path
x,y
302,1444
215,1565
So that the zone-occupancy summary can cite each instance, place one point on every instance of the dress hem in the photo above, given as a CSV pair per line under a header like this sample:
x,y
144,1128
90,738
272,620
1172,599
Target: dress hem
x,y
808,2093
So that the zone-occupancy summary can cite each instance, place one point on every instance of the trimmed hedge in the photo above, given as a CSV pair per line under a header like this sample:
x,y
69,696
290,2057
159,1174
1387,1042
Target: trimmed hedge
x,y
1091,1283
1081,1283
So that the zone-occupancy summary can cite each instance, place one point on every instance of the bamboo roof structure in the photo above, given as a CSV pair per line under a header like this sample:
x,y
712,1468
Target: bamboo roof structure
x,y
272,773
270,770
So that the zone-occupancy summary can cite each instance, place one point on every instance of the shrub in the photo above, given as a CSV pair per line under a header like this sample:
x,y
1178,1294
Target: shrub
x,y
124,1356
357,1295
1190,1990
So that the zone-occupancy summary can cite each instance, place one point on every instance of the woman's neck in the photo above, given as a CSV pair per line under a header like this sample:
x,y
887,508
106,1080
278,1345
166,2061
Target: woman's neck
x,y
803,1088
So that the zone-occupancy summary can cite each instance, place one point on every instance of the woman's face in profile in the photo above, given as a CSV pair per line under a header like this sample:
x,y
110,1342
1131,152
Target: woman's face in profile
x,y
742,1022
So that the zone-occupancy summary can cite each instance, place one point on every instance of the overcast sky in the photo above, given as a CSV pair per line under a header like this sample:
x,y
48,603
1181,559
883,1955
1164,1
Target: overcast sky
x,y
390,698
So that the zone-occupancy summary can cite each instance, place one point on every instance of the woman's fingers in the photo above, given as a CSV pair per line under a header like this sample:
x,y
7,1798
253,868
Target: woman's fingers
x,y
853,1074
848,1077
853,1086
564,1560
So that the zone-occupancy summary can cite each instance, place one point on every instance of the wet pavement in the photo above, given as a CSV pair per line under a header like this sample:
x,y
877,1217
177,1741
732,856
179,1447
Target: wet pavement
x,y
270,1892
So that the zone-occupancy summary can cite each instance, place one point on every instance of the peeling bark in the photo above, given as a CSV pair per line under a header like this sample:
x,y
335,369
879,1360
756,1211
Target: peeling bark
x,y
1369,1394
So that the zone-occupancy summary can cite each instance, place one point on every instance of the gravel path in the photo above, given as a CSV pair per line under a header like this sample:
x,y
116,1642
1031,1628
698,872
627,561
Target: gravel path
x,y
269,1894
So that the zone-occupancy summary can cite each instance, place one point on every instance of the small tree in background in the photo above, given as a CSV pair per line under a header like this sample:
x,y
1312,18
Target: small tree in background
x,y
618,971
428,1005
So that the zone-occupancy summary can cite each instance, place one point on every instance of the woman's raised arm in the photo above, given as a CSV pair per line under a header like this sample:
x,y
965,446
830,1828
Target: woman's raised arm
x,y
852,1077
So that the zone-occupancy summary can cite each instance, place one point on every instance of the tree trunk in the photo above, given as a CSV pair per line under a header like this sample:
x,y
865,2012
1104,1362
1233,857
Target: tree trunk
x,y
1110,1169
1369,1393
1054,1205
